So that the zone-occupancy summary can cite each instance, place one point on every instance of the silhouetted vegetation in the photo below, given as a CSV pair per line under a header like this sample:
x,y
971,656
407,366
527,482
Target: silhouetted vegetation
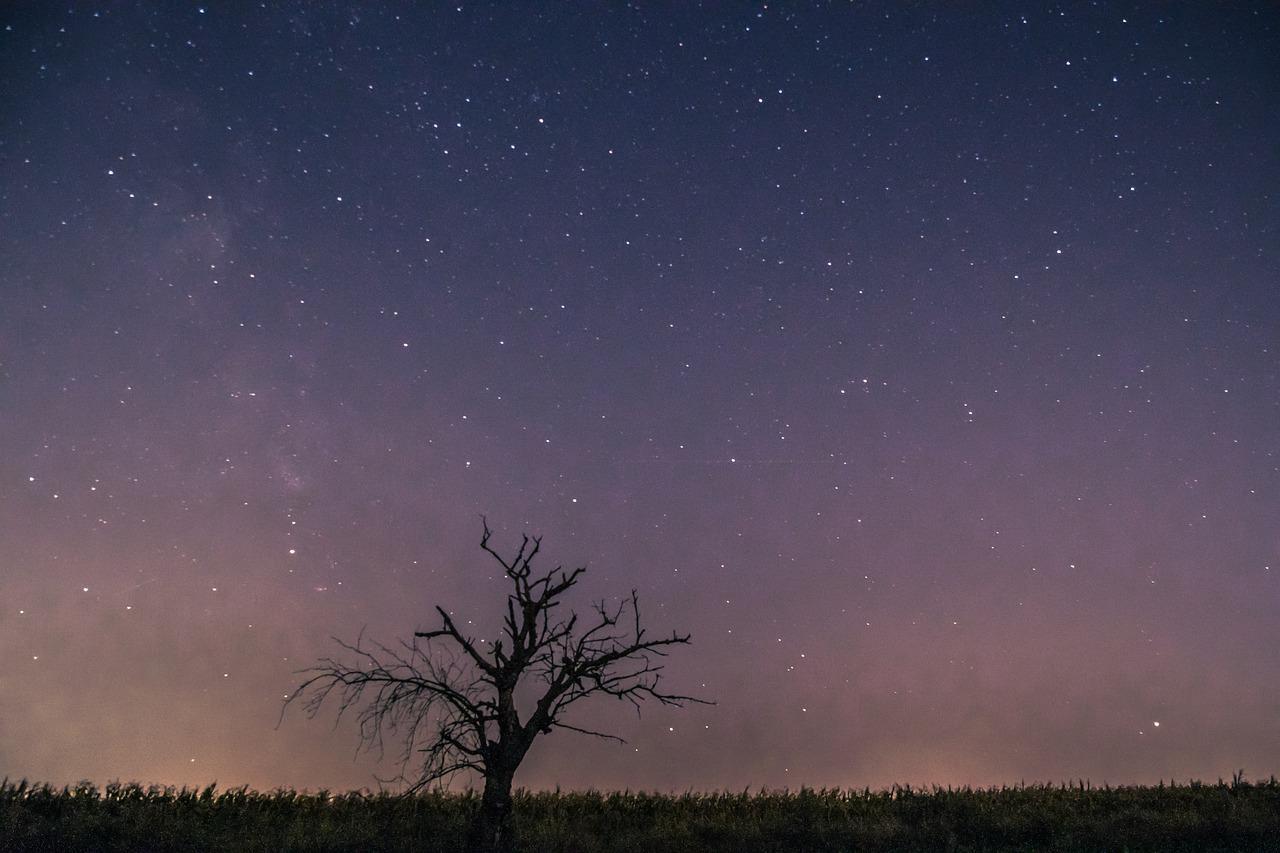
x,y
454,709
1235,816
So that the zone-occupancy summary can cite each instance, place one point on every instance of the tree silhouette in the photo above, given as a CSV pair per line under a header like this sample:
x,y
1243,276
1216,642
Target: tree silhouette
x,y
451,701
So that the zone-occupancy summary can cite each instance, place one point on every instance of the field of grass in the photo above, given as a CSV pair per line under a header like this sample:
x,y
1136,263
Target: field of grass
x,y
1195,817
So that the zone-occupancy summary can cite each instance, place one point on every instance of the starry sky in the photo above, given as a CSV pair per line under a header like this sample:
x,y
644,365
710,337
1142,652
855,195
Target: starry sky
x,y
924,365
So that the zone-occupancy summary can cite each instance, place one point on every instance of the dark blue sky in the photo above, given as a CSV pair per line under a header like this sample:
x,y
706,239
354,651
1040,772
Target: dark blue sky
x,y
925,365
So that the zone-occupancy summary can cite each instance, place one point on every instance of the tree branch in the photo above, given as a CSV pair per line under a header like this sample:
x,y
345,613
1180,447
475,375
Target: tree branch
x,y
451,631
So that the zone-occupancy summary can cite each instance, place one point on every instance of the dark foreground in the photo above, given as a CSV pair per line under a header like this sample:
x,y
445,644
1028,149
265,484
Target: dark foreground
x,y
1199,817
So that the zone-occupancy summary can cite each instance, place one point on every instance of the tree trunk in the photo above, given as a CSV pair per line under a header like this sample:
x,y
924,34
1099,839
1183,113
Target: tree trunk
x,y
493,827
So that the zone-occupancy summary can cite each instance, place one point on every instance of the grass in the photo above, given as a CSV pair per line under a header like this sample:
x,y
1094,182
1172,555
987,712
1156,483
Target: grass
x,y
1236,816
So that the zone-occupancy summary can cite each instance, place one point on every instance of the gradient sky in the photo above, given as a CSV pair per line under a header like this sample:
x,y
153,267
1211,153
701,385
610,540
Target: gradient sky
x,y
924,365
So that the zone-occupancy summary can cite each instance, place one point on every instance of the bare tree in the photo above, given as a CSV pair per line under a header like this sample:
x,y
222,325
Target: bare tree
x,y
451,700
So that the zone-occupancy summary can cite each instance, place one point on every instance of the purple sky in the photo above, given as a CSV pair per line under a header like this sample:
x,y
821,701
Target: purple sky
x,y
925,366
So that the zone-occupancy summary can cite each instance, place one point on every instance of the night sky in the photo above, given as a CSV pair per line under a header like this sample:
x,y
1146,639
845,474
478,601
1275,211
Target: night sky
x,y
925,366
